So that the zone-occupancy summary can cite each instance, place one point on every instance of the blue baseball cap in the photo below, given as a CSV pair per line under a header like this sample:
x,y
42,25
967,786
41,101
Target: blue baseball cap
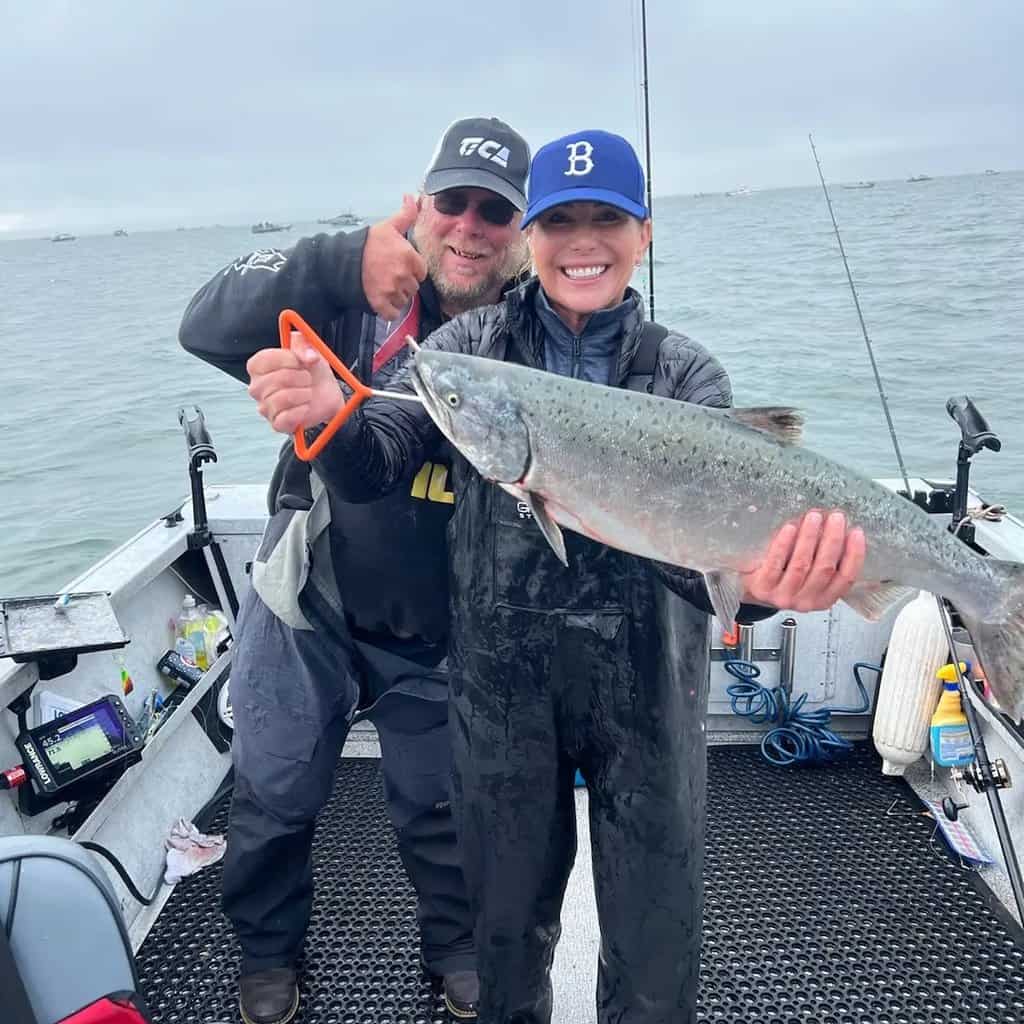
x,y
592,166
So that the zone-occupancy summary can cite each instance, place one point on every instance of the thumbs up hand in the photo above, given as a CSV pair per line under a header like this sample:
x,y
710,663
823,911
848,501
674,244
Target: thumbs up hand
x,y
392,269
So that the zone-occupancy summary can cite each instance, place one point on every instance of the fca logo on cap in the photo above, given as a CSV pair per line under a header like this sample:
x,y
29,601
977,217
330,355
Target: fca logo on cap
x,y
579,158
487,148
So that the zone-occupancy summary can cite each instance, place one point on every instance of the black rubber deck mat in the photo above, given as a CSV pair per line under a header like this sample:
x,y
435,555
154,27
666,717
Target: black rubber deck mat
x,y
822,908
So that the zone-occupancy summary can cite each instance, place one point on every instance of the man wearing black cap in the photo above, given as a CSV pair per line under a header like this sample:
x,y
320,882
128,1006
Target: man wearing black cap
x,y
348,612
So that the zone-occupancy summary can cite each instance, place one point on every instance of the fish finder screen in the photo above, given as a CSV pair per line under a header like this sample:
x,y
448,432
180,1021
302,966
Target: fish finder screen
x,y
78,743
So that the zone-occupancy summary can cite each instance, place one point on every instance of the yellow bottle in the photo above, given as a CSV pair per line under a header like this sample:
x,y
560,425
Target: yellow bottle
x,y
950,736
195,633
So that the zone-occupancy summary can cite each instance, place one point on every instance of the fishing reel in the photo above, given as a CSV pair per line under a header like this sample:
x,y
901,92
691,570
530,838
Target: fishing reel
x,y
980,776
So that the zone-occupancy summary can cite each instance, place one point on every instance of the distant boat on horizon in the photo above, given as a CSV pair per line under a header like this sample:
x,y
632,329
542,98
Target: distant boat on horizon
x,y
120,233
990,171
342,220
63,238
860,184
266,226
743,190
919,177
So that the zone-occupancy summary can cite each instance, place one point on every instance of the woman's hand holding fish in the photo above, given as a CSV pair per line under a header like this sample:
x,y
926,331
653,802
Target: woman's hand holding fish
x,y
808,566
294,388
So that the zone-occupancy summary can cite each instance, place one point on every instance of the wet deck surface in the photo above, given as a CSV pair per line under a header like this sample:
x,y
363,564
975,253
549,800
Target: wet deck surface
x,y
823,907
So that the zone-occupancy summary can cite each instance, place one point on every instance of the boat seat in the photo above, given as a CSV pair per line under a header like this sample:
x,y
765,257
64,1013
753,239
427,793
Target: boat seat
x,y
65,930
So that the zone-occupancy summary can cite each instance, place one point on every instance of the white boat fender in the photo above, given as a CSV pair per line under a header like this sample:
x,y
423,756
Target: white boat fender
x,y
909,688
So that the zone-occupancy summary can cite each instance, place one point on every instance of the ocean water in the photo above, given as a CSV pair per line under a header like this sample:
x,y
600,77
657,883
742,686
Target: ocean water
x,y
92,375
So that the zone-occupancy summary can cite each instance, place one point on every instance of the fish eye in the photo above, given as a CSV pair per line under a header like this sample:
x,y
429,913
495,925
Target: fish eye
x,y
452,399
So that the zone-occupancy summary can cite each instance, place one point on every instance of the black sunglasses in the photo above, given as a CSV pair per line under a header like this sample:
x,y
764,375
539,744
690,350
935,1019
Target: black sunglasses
x,y
496,211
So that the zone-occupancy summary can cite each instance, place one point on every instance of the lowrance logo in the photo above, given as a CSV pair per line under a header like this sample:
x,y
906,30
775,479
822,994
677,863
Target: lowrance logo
x,y
37,762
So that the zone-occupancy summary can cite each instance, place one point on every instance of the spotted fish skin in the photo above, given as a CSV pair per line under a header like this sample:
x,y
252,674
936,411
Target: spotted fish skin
x,y
707,489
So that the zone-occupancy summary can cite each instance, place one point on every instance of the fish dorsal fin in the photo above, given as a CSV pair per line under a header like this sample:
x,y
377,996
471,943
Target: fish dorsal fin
x,y
778,421
550,529
725,590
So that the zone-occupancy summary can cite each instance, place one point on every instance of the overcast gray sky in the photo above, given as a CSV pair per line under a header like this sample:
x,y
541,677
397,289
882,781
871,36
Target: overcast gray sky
x,y
155,113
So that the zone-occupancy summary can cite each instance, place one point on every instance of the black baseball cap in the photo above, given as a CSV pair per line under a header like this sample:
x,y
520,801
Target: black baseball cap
x,y
481,152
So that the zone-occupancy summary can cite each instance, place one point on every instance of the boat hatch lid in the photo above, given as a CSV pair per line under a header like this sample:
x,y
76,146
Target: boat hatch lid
x,y
35,628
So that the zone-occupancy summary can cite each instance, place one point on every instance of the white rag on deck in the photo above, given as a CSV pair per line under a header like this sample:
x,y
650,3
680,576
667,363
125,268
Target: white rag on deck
x,y
188,850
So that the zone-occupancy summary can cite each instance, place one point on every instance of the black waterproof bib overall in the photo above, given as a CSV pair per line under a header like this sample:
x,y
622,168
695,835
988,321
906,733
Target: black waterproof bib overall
x,y
600,667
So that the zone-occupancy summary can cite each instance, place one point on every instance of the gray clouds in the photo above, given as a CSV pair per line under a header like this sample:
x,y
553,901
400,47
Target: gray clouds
x,y
172,113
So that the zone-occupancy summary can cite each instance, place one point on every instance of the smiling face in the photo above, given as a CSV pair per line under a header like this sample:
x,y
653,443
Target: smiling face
x,y
469,258
585,254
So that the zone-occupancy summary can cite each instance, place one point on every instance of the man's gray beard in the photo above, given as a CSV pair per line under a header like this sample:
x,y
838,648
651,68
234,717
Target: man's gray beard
x,y
458,297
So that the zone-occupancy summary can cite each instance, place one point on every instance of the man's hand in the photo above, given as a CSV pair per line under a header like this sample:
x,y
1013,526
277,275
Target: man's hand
x,y
392,268
808,567
294,387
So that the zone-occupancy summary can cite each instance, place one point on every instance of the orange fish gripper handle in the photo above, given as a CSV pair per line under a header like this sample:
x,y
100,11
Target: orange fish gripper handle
x,y
290,321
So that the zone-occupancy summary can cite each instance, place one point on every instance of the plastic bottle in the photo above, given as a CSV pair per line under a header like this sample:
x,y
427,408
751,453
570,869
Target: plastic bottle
x,y
950,735
188,604
195,632
184,645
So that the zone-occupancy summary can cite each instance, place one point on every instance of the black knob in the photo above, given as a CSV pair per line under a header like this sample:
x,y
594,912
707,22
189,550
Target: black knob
x,y
951,808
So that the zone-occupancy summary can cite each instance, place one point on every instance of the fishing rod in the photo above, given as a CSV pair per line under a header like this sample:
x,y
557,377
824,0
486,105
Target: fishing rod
x,y
985,776
864,330
647,152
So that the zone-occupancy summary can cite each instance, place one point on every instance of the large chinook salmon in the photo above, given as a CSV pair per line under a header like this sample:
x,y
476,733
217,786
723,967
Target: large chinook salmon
x,y
706,489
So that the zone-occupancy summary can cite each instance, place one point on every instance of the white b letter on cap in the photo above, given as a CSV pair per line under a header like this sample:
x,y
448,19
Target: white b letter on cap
x,y
579,158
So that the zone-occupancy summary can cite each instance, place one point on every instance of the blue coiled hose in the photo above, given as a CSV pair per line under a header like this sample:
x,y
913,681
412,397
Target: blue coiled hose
x,y
799,737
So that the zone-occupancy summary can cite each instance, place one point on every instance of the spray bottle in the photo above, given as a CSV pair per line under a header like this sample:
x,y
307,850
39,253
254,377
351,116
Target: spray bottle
x,y
951,741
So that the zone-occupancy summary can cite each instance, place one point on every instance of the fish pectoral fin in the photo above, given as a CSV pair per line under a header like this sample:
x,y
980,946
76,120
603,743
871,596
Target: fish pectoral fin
x,y
872,599
725,590
550,529
779,421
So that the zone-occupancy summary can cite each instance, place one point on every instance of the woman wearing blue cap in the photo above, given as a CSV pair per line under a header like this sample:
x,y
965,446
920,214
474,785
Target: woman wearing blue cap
x,y
599,666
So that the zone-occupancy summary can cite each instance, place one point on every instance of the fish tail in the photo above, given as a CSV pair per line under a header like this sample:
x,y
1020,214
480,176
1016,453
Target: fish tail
x,y
998,636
